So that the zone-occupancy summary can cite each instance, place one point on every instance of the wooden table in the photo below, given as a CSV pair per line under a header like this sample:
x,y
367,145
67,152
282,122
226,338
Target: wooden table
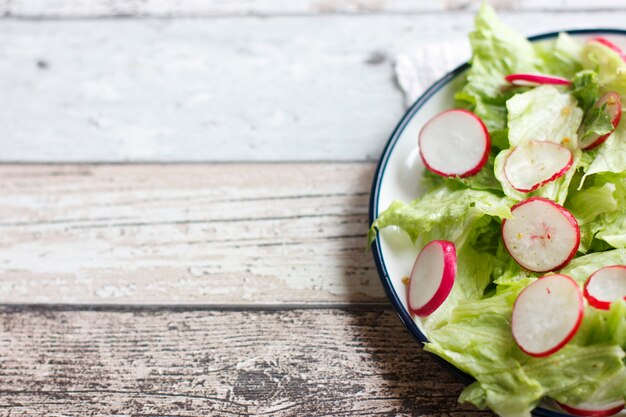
x,y
184,204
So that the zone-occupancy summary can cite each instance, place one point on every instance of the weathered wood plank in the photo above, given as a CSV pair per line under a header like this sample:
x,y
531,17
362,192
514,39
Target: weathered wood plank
x,y
186,234
227,89
165,8
280,363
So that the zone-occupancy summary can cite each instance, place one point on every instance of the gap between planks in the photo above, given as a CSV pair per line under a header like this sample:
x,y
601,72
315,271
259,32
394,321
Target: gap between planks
x,y
204,235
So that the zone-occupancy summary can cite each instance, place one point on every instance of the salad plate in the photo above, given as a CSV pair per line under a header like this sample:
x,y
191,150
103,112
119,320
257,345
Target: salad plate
x,y
398,176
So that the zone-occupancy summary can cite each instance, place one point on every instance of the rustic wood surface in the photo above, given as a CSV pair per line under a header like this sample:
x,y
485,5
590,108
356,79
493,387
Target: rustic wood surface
x,y
186,234
313,362
238,285
283,88
193,8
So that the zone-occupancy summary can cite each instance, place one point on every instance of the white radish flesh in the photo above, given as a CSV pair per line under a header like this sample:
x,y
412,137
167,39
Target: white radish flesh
x,y
454,143
432,277
536,163
542,235
532,80
606,285
546,315
594,410
613,107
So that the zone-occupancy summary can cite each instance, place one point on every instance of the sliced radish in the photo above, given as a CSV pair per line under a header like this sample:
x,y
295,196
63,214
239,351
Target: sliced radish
x,y
546,315
536,163
432,277
542,235
613,107
454,143
610,45
606,285
533,80
594,410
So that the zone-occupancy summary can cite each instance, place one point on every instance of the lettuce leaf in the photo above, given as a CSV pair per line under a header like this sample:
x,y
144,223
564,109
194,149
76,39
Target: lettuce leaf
x,y
598,209
443,213
611,155
561,57
473,275
478,340
485,179
582,267
497,51
573,374
586,89
610,66
544,113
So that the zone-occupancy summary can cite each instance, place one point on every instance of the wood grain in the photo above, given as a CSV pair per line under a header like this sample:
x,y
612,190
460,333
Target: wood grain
x,y
165,8
186,234
291,88
292,363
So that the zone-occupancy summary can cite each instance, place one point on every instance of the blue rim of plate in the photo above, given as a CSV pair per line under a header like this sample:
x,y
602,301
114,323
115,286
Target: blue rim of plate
x,y
374,196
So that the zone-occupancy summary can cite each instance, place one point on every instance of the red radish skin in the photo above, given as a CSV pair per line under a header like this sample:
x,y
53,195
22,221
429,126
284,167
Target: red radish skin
x,y
592,411
518,232
540,311
527,79
432,277
441,122
613,103
610,45
514,164
617,273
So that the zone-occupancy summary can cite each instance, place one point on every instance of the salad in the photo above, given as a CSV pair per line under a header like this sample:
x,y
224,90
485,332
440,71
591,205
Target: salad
x,y
521,276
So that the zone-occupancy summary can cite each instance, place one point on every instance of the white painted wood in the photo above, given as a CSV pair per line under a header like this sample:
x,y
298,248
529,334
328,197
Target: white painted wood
x,y
227,89
186,234
166,8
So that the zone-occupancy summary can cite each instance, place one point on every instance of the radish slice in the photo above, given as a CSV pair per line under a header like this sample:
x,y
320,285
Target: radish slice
x,y
454,143
534,80
606,285
610,45
542,235
546,315
594,410
536,163
432,277
613,107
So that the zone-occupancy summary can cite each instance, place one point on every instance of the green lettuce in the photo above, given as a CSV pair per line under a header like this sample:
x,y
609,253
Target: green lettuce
x,y
484,180
610,66
586,89
544,113
582,267
561,57
598,211
497,51
602,326
478,340
443,213
474,269
611,155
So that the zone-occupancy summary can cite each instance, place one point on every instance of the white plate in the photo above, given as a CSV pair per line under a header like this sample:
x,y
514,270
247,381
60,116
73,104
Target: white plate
x,y
397,178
